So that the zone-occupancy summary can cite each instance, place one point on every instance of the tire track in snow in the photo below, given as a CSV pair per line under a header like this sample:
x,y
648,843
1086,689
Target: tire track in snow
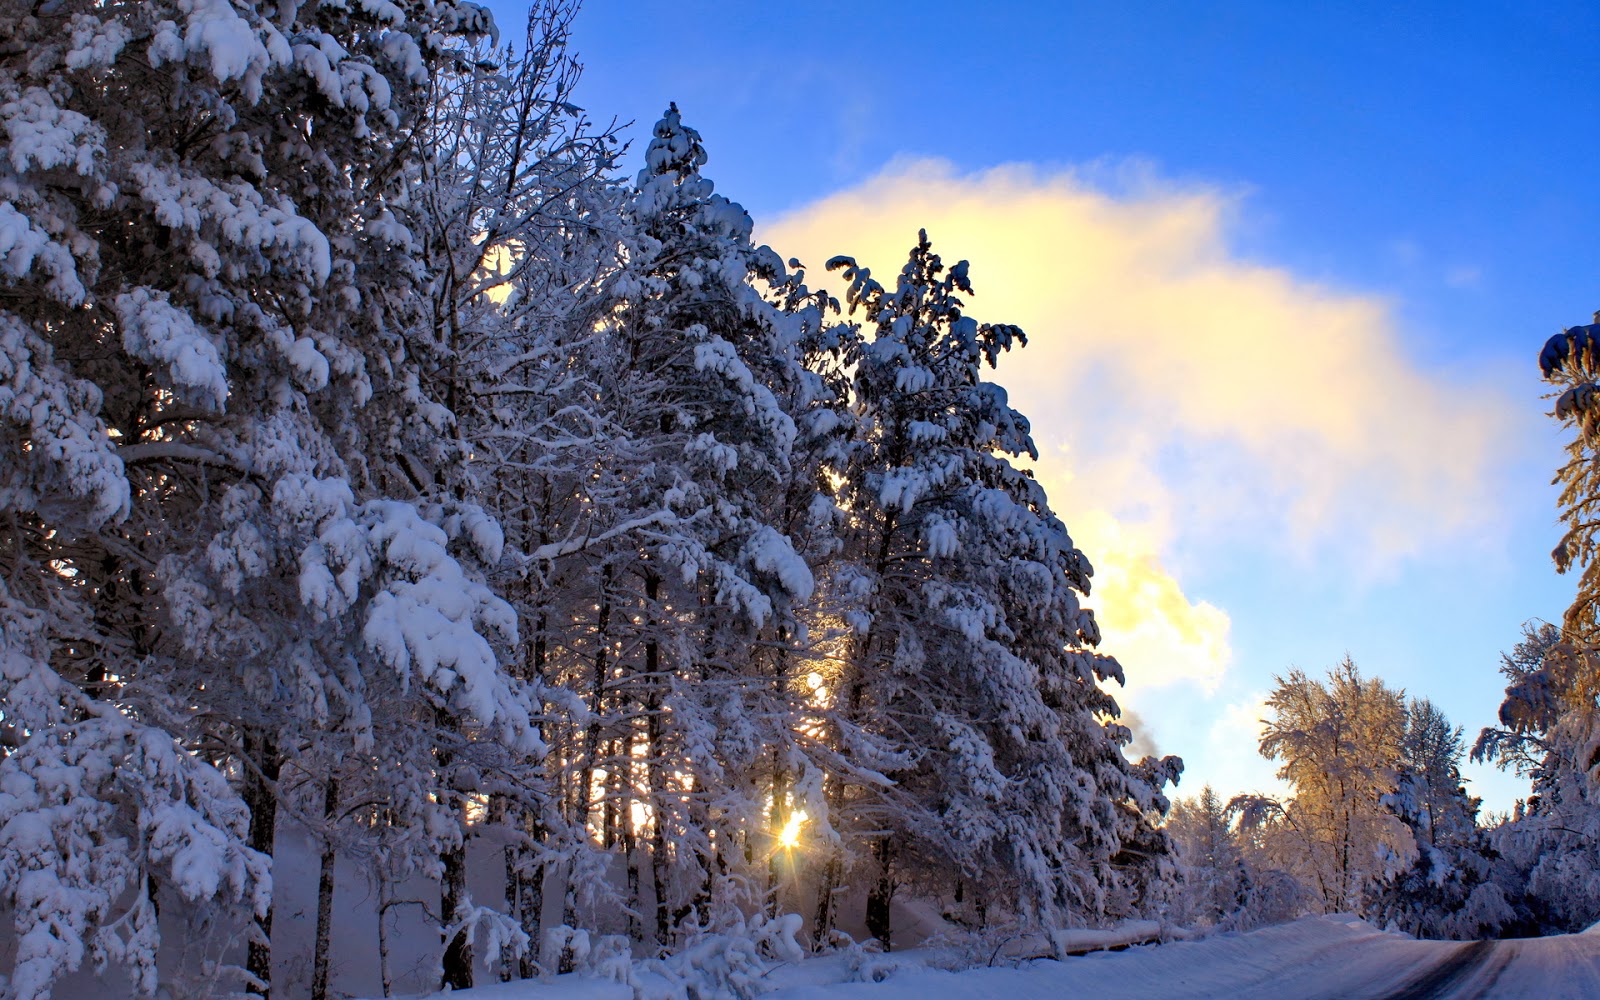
x,y
1445,978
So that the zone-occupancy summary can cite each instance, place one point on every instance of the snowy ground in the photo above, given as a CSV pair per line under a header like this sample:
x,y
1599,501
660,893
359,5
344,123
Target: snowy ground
x,y
1325,957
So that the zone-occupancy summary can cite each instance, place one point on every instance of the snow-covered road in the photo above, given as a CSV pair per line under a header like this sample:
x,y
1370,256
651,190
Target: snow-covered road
x,y
1332,958
1322,957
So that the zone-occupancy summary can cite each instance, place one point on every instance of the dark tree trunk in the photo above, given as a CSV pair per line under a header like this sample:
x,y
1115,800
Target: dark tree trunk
x,y
456,973
530,899
781,808
529,873
457,951
610,807
658,876
780,856
699,806
261,768
597,695
591,753
500,812
320,957
822,927
882,893
656,773
701,903
630,856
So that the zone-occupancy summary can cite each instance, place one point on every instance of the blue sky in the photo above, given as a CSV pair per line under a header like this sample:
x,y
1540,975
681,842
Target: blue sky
x,y
1424,168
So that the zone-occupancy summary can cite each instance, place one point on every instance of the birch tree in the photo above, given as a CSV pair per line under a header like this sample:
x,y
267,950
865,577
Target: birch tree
x,y
1340,744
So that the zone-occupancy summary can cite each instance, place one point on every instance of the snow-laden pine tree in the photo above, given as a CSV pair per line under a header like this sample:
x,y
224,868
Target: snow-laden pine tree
x,y
673,472
1551,726
1570,361
235,539
1523,743
1549,864
969,715
515,213
1213,881
1446,890
798,656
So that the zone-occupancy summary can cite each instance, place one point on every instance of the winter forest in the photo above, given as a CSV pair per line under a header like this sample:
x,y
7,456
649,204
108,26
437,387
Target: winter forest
x,y
402,504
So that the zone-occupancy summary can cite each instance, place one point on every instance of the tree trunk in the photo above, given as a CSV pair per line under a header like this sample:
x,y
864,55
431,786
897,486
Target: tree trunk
x,y
602,669
610,811
261,770
822,926
833,871
882,893
591,751
631,857
655,772
456,973
699,804
500,815
320,955
530,900
385,900
529,876
779,821
701,903
781,807
658,876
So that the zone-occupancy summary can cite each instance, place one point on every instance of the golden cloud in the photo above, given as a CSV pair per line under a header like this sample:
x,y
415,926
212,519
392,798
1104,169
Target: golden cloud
x,y
1179,393
1150,625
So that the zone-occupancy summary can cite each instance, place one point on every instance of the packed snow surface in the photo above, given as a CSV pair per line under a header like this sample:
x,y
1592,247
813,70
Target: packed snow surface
x,y
1324,957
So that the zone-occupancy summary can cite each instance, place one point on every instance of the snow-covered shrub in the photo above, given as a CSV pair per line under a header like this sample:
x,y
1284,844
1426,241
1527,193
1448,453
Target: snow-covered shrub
x,y
731,963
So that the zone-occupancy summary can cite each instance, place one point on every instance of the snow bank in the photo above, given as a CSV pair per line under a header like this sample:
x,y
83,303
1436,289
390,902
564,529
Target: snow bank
x,y
1316,956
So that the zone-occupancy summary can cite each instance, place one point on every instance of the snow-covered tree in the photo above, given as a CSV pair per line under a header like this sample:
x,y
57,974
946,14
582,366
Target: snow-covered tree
x,y
381,465
651,431
1340,744
1430,772
1550,722
1211,868
708,383
1570,361
1446,891
1228,875
1531,710
969,696
515,214
1549,864
232,522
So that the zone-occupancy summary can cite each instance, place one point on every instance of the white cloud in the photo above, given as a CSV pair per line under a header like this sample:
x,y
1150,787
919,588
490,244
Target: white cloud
x,y
1234,768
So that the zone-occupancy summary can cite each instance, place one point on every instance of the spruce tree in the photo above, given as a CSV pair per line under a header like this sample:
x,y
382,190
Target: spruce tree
x,y
1446,890
1214,883
970,700
229,491
1549,866
701,375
